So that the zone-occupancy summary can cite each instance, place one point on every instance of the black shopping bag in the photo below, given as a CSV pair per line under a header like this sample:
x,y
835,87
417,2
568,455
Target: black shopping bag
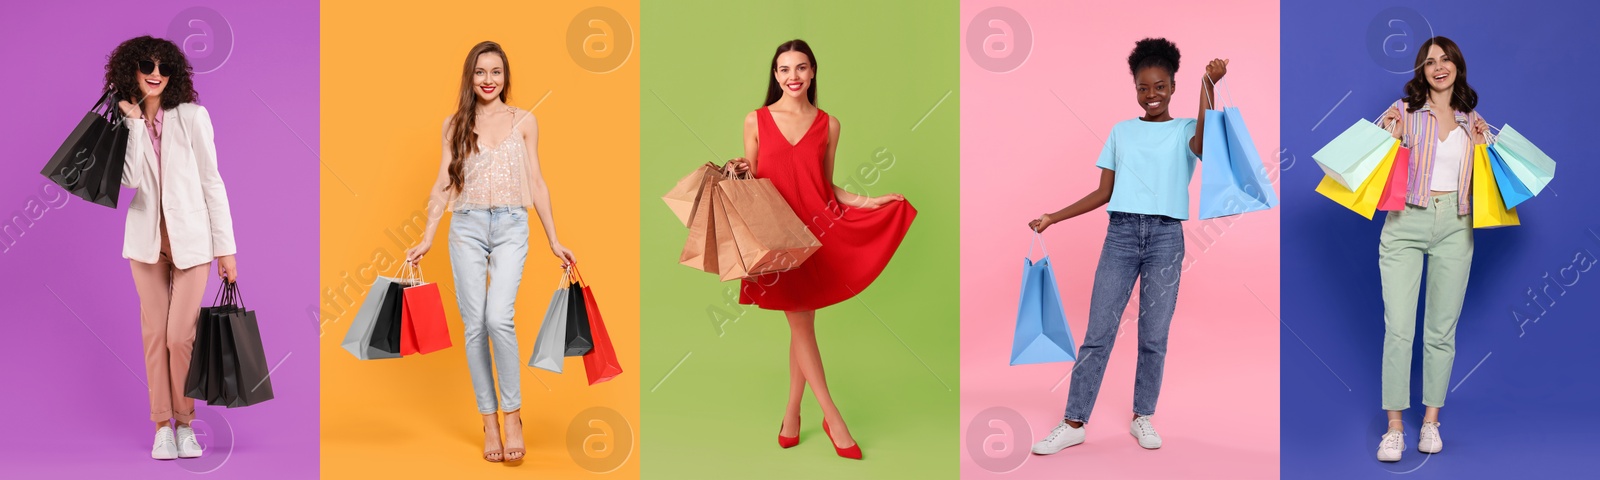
x,y
254,385
89,162
386,329
204,381
579,338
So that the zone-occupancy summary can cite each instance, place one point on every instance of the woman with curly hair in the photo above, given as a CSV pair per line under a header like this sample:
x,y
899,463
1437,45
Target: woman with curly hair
x,y
178,222
1146,166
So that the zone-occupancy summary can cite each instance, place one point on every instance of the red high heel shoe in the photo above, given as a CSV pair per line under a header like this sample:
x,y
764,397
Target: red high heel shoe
x,y
854,452
787,442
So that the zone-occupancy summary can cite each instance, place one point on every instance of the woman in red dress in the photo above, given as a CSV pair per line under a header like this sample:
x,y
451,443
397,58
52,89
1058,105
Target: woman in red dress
x,y
791,142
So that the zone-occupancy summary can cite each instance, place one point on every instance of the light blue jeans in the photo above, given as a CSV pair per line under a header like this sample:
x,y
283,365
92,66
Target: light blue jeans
x,y
490,245
1148,248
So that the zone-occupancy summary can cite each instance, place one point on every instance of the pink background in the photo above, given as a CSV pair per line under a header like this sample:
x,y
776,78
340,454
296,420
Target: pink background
x,y
1025,153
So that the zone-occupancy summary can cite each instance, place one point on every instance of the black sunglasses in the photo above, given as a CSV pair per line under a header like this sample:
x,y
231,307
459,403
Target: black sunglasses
x,y
147,66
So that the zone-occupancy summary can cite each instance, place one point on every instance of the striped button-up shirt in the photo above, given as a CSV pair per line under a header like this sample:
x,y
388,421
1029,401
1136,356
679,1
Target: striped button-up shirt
x,y
1422,137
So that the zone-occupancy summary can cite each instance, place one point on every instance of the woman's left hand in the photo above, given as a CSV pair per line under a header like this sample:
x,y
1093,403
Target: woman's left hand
x,y
1479,129
1216,69
563,253
880,201
228,268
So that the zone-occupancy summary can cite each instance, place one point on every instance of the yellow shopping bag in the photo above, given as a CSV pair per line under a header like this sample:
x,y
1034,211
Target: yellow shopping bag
x,y
1364,200
1488,208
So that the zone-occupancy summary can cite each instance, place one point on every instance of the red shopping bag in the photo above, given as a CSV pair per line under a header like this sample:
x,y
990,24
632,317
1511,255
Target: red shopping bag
x,y
1394,191
422,322
601,362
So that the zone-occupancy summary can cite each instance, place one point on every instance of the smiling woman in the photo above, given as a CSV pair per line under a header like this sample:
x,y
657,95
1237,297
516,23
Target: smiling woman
x,y
177,223
488,187
1145,166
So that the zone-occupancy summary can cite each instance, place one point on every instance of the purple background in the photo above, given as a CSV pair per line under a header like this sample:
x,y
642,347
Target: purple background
x,y
74,370
1527,411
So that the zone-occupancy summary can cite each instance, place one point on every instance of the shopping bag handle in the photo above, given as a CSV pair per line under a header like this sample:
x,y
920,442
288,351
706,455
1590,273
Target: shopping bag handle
x,y
1213,90
1037,239
228,294
577,276
566,273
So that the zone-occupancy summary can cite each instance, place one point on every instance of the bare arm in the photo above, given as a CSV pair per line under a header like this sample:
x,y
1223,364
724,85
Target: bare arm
x,y
1214,72
1100,196
541,192
438,198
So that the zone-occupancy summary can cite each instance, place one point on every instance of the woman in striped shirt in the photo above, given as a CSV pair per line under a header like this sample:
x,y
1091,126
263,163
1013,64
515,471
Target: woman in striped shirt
x,y
1437,123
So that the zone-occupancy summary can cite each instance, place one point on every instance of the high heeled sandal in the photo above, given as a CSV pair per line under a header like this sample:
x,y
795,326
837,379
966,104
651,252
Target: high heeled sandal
x,y
493,456
515,454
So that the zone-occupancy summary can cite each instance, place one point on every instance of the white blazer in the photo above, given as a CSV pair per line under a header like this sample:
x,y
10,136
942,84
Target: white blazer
x,y
187,190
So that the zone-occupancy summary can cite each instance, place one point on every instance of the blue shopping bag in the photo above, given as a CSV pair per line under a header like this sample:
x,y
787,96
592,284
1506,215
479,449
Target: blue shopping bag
x,y
1232,177
1530,165
1042,335
1512,191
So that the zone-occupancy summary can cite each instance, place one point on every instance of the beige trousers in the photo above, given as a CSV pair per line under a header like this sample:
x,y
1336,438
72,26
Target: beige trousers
x,y
169,306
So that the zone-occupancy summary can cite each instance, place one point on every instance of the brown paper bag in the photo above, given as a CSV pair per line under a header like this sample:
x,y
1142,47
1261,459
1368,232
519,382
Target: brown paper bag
x,y
756,231
681,199
702,239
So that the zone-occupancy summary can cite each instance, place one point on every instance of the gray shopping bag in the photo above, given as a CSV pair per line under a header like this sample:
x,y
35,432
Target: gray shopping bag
x,y
550,347
358,339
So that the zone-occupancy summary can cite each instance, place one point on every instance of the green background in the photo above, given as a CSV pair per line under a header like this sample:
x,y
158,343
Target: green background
x,y
715,373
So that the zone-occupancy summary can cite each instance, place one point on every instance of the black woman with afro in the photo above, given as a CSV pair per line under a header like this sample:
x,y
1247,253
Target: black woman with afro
x,y
1145,168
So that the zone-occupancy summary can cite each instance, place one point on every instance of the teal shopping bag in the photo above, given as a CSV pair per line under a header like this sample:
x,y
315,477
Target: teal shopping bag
x,y
1352,156
1232,177
1531,166
1042,335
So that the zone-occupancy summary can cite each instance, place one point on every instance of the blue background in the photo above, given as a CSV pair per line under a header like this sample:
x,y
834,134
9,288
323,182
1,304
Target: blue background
x,y
1529,407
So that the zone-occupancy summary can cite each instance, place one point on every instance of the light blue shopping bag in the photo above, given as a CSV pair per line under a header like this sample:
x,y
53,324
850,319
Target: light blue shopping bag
x,y
1042,335
1531,166
1512,191
1352,156
1232,178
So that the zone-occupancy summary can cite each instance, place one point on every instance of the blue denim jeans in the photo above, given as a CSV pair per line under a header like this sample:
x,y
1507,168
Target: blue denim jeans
x,y
1144,247
487,251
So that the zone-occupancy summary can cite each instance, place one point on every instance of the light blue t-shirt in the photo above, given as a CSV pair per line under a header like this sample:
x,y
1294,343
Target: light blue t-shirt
x,y
1153,166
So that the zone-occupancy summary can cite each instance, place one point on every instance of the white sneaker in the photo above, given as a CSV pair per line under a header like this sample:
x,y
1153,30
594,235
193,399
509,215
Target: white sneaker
x,y
1062,437
1145,432
1390,447
165,448
188,447
1429,441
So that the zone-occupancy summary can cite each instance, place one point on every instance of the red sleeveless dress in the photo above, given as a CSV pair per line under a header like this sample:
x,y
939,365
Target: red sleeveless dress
x,y
856,242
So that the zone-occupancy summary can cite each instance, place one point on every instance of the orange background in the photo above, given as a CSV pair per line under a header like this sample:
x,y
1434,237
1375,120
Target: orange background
x,y
389,78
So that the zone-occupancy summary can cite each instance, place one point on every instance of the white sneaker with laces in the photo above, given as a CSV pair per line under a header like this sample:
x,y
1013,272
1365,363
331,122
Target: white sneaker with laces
x,y
1145,432
165,447
1429,441
1061,437
188,447
1390,447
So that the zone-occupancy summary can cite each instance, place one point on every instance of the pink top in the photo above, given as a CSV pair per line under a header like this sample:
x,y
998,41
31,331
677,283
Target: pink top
x,y
154,127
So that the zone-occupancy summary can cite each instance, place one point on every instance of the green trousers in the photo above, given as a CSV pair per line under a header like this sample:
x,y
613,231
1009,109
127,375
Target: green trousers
x,y
1446,239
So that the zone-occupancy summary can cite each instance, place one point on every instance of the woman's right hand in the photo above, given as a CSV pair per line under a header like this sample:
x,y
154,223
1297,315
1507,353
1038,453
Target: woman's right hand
x,y
1041,223
737,165
1392,118
414,254
129,109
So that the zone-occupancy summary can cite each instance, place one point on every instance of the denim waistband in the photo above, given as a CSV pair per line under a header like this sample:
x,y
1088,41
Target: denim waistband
x,y
1142,217
489,209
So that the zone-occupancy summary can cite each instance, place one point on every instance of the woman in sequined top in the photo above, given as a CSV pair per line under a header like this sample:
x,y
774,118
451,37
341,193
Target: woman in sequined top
x,y
488,177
